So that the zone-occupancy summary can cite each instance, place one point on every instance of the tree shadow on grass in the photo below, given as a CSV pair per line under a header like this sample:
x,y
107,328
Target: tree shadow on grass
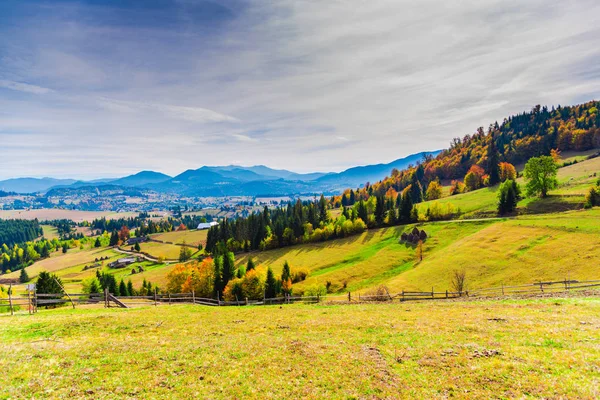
x,y
552,204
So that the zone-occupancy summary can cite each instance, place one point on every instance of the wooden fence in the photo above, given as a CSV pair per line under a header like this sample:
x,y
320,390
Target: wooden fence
x,y
31,300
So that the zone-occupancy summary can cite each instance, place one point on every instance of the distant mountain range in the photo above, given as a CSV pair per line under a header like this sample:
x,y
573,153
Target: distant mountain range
x,y
228,180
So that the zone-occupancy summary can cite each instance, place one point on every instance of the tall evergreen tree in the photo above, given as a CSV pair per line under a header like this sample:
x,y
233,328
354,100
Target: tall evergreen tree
x,y
380,210
130,289
114,239
493,162
123,289
23,277
97,243
250,265
270,284
406,205
323,218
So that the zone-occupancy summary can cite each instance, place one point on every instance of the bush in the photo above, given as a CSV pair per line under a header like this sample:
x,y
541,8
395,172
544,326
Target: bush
x,y
315,290
592,199
299,276
380,293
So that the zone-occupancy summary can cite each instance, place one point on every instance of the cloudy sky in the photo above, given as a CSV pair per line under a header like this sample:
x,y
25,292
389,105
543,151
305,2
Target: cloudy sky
x,y
99,88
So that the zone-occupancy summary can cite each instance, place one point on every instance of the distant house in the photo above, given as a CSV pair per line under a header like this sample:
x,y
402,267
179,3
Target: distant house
x,y
135,240
207,225
122,262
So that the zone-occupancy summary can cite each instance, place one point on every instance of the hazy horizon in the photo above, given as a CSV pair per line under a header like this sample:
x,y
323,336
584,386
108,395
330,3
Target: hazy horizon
x,y
93,89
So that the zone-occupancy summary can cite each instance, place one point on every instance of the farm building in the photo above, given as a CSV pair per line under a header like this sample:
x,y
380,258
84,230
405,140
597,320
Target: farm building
x,y
135,240
122,262
206,225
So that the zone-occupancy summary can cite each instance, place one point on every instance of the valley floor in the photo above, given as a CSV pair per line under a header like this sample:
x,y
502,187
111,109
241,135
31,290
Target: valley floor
x,y
548,348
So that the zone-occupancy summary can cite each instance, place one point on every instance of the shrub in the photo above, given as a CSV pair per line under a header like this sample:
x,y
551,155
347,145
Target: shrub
x,y
457,187
592,198
299,276
315,290
380,293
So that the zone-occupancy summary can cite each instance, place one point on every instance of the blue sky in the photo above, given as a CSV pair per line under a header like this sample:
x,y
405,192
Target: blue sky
x,y
106,88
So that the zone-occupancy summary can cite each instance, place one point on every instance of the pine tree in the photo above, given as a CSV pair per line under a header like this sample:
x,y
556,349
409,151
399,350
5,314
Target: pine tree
x,y
323,217
137,247
130,289
406,205
48,284
362,211
123,289
23,277
250,265
270,285
95,287
218,276
493,163
380,210
392,217
97,243
114,239
228,267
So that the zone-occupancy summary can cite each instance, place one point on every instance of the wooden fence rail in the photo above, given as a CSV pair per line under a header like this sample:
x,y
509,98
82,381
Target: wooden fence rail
x,y
32,300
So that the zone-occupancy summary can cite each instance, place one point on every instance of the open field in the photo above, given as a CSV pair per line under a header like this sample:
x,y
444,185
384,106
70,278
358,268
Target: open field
x,y
168,251
574,182
55,213
50,232
492,252
486,349
193,237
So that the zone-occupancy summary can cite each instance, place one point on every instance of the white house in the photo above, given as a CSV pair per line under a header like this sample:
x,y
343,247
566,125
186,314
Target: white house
x,y
207,225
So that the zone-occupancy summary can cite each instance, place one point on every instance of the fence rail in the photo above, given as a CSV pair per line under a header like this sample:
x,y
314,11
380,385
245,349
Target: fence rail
x,y
32,300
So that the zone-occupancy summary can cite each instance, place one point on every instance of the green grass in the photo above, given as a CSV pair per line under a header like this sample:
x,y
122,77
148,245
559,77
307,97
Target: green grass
x,y
538,348
192,237
50,232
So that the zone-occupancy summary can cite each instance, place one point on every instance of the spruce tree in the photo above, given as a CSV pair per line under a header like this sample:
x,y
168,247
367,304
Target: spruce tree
x,y
250,265
97,242
380,210
114,239
123,289
493,163
95,287
130,289
23,277
137,247
270,285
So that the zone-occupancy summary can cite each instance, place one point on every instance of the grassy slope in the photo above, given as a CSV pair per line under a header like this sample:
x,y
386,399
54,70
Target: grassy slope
x,y
492,252
574,181
193,237
539,348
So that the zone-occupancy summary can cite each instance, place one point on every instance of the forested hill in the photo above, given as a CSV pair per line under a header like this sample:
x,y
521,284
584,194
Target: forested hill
x,y
521,137
14,231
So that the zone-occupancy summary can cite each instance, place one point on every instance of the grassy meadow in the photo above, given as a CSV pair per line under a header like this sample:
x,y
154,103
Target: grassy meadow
x,y
510,251
193,237
545,348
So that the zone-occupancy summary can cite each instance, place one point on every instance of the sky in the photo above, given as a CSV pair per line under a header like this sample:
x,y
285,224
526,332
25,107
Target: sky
x,y
93,88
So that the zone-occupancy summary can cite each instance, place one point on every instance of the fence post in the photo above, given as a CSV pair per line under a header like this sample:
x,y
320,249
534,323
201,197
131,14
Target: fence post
x,y
541,286
10,299
29,304
446,293
35,299
246,301
169,298
106,298
432,292
402,294
566,284
318,298
502,288
193,297
155,298
349,297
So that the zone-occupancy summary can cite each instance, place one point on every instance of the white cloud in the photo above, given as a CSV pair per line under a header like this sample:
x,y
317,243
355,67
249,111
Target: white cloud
x,y
311,85
24,87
